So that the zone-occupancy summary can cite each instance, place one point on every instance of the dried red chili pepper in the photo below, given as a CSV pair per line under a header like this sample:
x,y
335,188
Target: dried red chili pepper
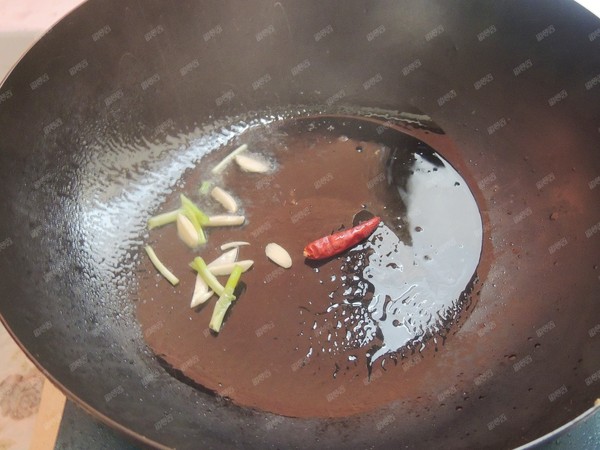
x,y
335,243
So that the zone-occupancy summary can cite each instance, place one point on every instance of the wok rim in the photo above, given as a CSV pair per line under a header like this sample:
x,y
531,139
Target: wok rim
x,y
113,424
553,435
89,409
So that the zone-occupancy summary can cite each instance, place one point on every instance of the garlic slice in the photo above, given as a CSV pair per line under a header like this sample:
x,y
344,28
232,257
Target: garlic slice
x,y
225,199
201,292
252,163
233,244
200,299
278,255
200,287
186,231
225,221
226,258
226,269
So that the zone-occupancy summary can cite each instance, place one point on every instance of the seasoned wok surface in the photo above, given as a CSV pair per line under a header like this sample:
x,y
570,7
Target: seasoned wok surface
x,y
73,202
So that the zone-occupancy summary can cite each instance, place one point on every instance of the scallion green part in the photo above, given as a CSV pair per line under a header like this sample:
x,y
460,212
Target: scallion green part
x,y
163,219
234,278
190,206
225,300
190,214
201,236
221,166
205,187
199,266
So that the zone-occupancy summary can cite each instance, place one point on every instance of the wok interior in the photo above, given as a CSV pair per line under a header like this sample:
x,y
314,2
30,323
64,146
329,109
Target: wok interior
x,y
83,149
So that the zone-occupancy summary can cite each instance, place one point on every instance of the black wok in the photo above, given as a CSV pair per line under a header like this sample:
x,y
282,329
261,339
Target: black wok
x,y
119,85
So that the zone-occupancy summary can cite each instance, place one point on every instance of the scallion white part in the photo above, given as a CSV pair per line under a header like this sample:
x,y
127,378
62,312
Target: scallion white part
x,y
163,219
199,266
225,161
225,300
233,244
160,266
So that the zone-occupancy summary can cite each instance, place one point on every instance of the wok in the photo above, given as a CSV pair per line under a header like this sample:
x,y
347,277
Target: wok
x,y
118,85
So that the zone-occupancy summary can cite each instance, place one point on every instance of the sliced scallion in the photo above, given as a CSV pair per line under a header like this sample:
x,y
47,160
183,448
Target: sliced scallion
x,y
233,244
163,219
225,300
201,236
205,187
199,266
161,267
221,166
191,208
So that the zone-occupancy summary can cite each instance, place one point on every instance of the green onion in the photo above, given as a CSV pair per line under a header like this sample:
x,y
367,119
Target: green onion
x,y
190,214
191,208
205,187
221,166
234,278
196,216
225,300
199,266
163,219
161,267
201,236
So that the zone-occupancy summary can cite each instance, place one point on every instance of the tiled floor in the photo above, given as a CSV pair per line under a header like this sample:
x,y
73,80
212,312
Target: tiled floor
x,y
20,392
